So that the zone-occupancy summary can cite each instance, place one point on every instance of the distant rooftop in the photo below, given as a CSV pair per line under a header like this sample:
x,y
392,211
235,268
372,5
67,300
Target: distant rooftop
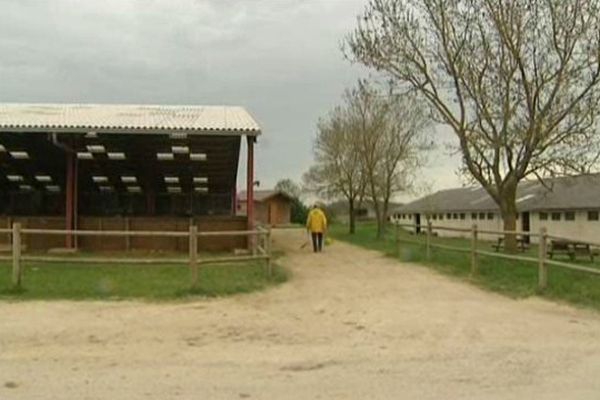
x,y
15,117
261,195
575,192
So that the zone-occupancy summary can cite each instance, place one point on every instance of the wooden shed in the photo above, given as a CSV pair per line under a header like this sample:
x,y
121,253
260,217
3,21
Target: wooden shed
x,y
271,207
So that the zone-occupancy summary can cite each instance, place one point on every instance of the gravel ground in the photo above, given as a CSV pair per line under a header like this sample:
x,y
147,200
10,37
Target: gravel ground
x,y
350,324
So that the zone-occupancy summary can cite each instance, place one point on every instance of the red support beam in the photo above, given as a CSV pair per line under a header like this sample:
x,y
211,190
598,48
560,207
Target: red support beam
x,y
250,183
234,201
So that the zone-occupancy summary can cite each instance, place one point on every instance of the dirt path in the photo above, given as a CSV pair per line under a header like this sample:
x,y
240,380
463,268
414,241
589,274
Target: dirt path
x,y
349,325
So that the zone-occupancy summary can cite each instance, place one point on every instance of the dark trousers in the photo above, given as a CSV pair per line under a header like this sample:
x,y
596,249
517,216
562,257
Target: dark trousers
x,y
317,239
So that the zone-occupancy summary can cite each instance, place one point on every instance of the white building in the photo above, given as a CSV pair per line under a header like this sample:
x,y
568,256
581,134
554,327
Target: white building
x,y
567,207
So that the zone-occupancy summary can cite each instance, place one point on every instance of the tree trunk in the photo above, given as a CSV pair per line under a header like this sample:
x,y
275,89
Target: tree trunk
x,y
352,216
508,209
380,226
383,216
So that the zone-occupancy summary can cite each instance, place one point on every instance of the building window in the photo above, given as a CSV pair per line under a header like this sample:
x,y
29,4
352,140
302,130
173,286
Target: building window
x,y
462,216
592,215
455,216
481,215
570,216
490,216
448,216
543,216
441,217
473,215
555,216
434,216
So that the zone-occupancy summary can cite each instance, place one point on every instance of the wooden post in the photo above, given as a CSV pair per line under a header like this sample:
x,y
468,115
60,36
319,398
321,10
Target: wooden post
x,y
193,258
543,267
397,240
428,241
474,266
70,201
16,255
127,238
268,251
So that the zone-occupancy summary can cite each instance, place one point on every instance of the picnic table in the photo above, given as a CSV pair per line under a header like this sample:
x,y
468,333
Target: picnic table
x,y
522,244
572,248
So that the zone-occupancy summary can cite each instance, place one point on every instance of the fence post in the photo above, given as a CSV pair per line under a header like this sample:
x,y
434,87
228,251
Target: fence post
x,y
193,257
543,267
267,248
397,239
127,238
16,255
474,266
428,241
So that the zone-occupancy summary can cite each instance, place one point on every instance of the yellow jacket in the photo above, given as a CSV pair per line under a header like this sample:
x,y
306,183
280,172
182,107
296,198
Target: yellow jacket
x,y
316,221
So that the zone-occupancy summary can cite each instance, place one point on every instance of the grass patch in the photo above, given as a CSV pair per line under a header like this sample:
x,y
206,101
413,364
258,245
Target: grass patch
x,y
119,282
516,279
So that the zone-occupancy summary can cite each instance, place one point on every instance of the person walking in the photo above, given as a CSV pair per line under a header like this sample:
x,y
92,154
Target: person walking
x,y
316,225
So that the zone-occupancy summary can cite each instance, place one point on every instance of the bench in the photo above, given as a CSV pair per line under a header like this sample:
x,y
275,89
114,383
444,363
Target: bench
x,y
522,244
571,248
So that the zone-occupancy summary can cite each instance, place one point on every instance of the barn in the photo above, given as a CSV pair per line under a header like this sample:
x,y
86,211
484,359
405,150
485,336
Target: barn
x,y
124,167
566,206
271,207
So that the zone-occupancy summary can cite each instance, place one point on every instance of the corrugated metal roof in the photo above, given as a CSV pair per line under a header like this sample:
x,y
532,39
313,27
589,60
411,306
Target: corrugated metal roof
x,y
564,193
128,117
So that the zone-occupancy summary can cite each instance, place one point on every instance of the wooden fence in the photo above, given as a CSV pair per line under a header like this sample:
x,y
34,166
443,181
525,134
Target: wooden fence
x,y
260,240
541,260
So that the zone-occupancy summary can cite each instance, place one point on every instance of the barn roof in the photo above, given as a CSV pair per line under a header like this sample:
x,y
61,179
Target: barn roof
x,y
124,148
124,118
572,193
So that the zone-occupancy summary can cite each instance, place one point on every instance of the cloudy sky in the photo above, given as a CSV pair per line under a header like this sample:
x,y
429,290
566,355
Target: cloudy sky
x,y
280,59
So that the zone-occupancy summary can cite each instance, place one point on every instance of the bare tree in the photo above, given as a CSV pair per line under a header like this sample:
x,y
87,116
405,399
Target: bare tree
x,y
289,187
516,80
387,130
337,171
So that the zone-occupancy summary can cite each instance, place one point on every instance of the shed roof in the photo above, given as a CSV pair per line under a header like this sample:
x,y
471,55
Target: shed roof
x,y
262,195
127,117
573,193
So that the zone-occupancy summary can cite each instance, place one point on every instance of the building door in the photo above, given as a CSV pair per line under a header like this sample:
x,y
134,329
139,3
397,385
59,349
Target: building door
x,y
417,223
525,225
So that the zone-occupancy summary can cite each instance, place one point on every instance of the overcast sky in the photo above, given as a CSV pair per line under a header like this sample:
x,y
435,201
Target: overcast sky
x,y
280,59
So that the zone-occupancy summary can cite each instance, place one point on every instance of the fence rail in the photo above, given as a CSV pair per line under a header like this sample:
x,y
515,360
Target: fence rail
x,y
542,260
259,240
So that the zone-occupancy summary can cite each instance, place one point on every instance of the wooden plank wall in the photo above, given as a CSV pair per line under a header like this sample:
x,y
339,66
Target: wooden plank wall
x,y
108,244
